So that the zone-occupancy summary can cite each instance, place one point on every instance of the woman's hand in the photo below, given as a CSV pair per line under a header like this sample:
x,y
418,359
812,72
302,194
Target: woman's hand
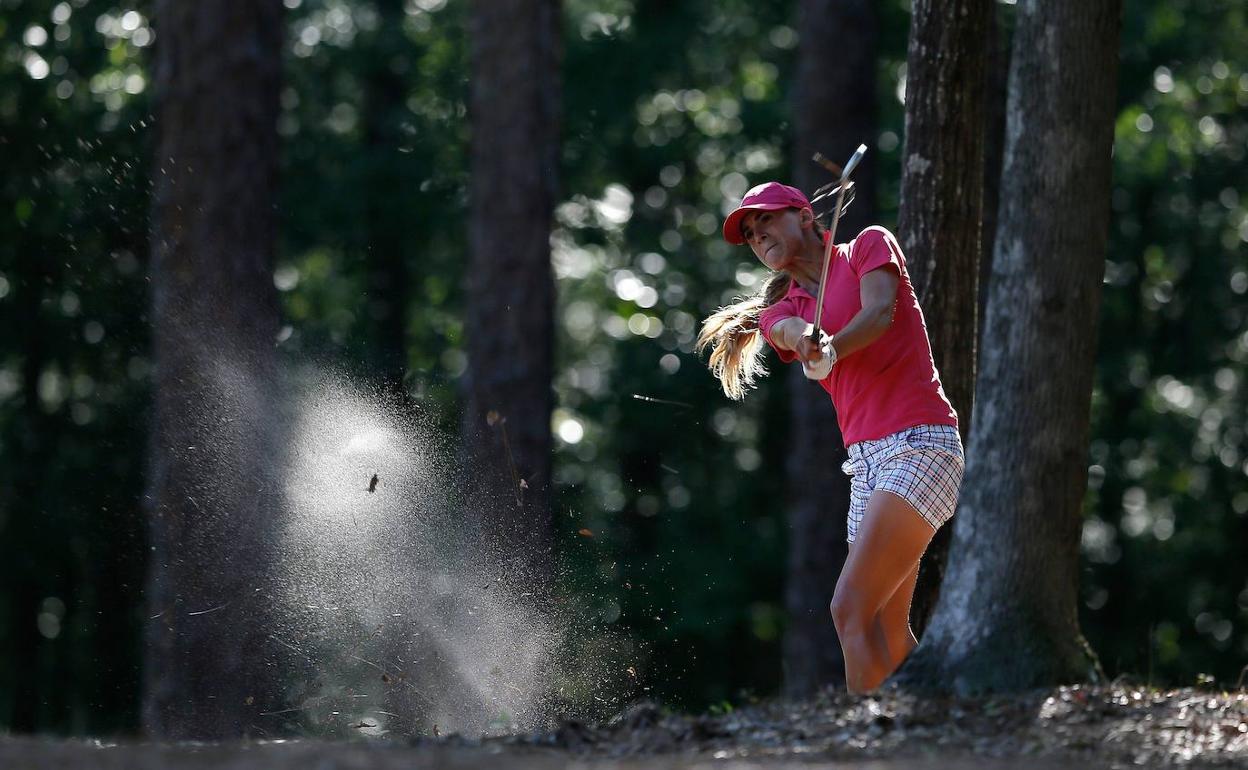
x,y
793,333
817,359
807,349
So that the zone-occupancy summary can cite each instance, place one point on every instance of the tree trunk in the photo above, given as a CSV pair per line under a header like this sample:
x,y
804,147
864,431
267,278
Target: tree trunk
x,y
1007,618
941,204
211,504
995,90
389,280
510,319
835,112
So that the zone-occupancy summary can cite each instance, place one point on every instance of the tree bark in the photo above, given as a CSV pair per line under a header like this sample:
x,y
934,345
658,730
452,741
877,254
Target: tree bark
x,y
995,89
510,319
836,111
210,501
941,205
1007,618
389,279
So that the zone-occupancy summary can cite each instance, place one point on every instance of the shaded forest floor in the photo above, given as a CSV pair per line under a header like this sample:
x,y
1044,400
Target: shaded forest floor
x,y
1112,726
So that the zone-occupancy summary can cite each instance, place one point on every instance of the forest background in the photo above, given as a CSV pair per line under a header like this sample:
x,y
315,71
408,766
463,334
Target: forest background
x,y
668,111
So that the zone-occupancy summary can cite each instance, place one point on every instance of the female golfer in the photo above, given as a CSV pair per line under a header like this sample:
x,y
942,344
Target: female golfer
x,y
905,457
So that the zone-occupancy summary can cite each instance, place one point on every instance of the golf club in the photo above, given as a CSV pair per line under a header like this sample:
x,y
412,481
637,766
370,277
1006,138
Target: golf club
x,y
841,185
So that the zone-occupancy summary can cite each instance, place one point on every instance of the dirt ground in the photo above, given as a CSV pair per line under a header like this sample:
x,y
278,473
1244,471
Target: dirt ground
x,y
1061,728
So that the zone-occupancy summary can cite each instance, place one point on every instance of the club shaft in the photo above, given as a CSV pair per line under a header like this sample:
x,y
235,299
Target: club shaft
x,y
836,218
827,260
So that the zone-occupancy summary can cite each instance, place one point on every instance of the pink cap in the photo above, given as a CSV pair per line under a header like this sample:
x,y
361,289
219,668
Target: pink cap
x,y
768,196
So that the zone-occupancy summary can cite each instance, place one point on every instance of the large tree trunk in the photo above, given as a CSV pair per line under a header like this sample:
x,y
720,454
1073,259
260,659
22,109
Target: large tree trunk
x,y
389,279
509,330
391,226
996,87
941,203
1007,618
211,506
835,111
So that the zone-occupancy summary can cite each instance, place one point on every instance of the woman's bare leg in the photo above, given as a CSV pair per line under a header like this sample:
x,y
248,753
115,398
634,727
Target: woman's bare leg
x,y
895,617
885,556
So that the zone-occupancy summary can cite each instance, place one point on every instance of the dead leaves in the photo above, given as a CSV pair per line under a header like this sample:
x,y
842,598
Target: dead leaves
x,y
1081,725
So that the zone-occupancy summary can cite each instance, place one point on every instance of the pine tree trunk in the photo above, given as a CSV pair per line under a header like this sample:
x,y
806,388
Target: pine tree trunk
x,y
941,204
510,320
211,504
1007,617
835,113
389,279
995,90
392,227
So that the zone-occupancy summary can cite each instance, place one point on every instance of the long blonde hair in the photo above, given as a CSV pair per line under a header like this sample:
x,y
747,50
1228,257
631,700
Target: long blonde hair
x,y
734,338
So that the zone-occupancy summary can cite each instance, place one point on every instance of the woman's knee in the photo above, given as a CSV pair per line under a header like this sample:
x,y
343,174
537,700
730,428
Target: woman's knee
x,y
850,613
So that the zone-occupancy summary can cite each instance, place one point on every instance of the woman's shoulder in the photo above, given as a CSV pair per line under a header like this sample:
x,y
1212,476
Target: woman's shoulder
x,y
874,246
874,233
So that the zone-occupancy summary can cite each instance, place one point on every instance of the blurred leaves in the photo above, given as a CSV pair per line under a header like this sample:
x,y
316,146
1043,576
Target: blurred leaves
x,y
73,361
1166,590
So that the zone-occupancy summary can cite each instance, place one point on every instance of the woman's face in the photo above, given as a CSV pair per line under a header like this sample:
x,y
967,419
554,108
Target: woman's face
x,y
775,236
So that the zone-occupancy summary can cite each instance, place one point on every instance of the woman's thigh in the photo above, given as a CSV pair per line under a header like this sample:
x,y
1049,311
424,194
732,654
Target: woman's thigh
x,y
896,611
891,539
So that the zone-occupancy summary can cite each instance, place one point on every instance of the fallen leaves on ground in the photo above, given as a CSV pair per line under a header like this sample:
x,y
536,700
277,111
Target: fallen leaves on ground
x,y
1067,727
1108,725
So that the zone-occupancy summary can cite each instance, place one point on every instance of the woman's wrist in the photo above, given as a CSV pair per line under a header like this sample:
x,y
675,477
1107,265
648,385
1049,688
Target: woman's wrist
x,y
829,349
788,333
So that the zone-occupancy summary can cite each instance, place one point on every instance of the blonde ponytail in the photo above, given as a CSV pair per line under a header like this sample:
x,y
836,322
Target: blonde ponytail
x,y
735,341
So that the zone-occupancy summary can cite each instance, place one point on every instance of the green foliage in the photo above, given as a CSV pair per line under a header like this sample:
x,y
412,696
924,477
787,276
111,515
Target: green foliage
x,y
375,159
1166,591
73,362
680,482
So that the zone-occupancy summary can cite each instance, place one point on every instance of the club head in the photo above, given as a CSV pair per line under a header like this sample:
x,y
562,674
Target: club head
x,y
827,164
854,161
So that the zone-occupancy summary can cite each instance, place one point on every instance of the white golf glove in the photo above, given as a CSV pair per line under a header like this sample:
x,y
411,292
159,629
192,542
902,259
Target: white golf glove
x,y
820,369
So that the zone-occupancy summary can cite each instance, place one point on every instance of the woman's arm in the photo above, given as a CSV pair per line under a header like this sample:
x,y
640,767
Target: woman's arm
x,y
792,334
879,301
878,293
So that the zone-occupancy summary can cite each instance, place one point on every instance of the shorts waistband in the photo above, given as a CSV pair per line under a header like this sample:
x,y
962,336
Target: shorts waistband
x,y
936,436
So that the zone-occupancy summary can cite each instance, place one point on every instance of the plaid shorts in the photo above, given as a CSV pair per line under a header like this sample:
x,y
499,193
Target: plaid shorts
x,y
921,465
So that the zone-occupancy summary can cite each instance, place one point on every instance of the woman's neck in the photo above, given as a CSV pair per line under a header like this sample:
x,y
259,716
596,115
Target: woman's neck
x,y
807,270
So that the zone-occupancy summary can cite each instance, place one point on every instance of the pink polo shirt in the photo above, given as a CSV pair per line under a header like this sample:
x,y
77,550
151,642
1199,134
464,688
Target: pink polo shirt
x,y
890,385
